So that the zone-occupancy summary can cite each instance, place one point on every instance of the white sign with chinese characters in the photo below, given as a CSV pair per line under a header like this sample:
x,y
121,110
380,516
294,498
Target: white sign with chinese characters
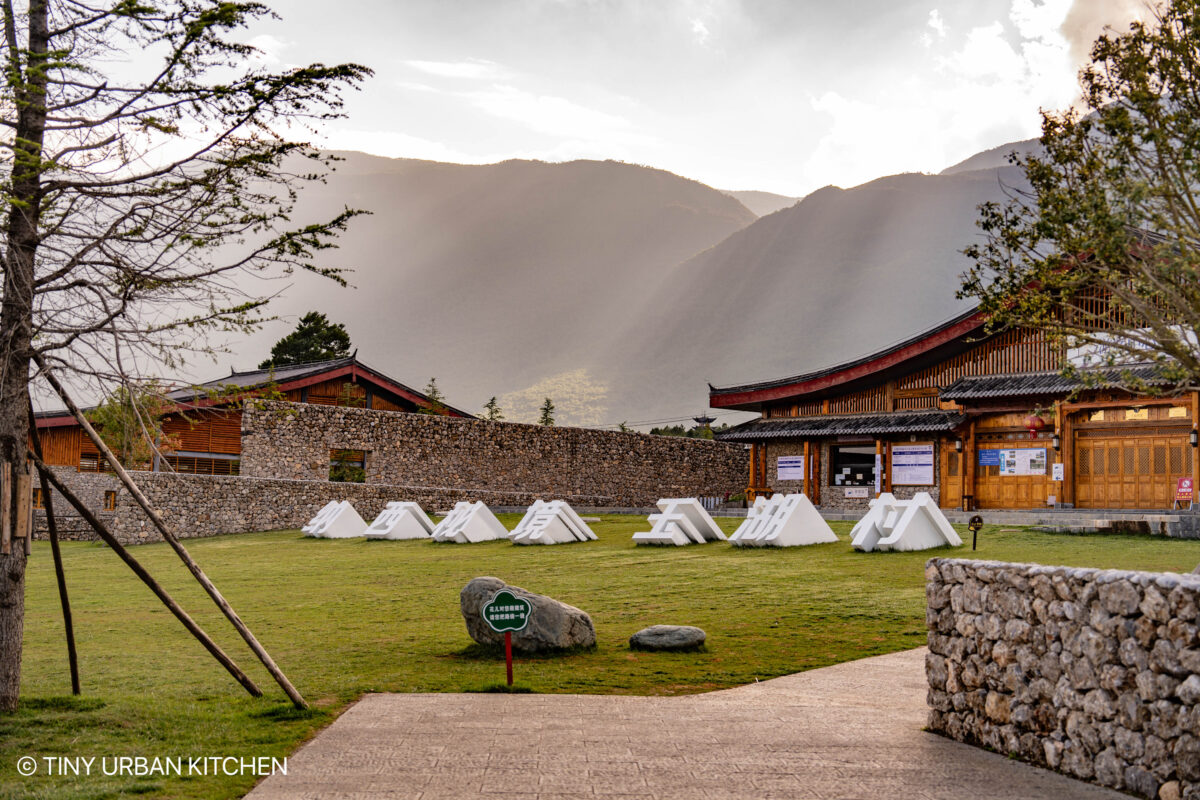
x,y
1057,471
912,465
789,468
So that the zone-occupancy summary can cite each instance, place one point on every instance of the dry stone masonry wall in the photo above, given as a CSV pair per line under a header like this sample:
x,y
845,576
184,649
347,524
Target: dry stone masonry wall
x,y
1095,673
203,505
293,441
432,460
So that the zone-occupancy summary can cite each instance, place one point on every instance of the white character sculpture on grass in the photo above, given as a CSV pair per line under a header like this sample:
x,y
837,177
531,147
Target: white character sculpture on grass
x,y
553,522
336,521
900,525
468,523
785,520
401,521
681,521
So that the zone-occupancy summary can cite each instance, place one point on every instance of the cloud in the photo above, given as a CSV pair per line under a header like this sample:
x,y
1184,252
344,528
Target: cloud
x,y
700,31
1087,19
270,49
937,23
472,69
986,87
556,116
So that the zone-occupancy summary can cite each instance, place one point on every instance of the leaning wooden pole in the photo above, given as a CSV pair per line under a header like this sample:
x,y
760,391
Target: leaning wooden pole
x,y
118,548
52,530
180,550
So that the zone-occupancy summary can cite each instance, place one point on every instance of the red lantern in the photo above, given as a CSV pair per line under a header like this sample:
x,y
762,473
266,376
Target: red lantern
x,y
1034,423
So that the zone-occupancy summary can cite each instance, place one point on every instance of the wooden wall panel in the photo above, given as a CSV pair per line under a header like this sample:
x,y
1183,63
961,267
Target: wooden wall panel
x,y
1011,351
383,404
871,400
60,446
205,431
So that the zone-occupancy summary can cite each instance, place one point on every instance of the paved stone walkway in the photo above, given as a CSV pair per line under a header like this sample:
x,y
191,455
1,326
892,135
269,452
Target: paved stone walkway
x,y
847,731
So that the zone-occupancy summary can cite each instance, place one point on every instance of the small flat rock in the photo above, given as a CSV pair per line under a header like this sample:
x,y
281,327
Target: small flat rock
x,y
667,637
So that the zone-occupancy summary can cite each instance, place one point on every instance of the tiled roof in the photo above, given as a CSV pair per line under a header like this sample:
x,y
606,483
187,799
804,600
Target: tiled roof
x,y
1027,384
259,377
847,425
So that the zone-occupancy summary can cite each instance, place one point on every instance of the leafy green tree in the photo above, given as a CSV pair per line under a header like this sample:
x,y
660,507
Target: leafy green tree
x,y
1101,251
315,339
139,194
669,430
130,421
547,413
492,411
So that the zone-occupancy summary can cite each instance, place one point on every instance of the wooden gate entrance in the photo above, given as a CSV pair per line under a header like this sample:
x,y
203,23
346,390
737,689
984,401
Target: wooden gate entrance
x,y
1130,468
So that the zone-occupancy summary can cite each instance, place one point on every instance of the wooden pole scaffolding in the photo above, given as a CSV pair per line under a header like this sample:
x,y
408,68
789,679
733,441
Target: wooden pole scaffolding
x,y
52,530
141,572
184,556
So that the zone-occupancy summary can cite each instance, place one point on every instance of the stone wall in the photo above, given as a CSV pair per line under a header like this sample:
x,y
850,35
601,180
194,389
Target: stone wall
x,y
1095,673
293,441
204,505
90,487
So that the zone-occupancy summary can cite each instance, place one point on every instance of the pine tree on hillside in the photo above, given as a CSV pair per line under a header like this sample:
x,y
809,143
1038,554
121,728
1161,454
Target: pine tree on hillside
x,y
547,417
315,339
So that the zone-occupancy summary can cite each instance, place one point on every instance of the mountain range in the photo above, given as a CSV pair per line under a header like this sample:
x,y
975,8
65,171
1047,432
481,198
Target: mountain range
x,y
620,291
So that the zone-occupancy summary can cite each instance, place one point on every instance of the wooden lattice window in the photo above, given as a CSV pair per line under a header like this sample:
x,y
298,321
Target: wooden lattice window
x,y
110,501
39,499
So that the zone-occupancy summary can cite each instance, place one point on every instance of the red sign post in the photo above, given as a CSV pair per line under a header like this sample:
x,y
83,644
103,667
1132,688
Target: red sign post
x,y
506,613
1185,492
508,654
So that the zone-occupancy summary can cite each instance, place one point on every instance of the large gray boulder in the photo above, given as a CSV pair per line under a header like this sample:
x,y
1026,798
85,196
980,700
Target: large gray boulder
x,y
667,637
553,625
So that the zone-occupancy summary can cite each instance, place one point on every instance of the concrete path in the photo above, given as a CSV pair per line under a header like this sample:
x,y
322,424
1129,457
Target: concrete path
x,y
847,731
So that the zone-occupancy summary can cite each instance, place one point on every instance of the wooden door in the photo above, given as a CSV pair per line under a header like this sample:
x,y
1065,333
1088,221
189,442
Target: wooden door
x,y
951,488
996,489
1130,469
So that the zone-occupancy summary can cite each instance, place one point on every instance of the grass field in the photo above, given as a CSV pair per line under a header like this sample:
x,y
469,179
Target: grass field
x,y
347,617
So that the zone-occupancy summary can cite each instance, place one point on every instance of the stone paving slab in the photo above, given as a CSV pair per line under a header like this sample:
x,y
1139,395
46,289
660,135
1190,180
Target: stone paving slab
x,y
849,731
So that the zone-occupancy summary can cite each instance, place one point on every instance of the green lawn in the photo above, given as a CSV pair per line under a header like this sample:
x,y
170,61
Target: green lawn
x,y
347,617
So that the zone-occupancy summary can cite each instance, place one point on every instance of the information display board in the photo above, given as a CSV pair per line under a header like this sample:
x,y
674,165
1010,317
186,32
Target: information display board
x,y
912,465
1023,461
789,468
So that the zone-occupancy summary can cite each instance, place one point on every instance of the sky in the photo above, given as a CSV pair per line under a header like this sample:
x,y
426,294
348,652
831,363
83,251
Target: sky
x,y
776,95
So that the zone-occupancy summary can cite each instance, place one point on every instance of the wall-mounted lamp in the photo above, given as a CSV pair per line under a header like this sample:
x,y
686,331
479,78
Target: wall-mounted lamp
x,y
1192,438
958,445
1057,442
912,437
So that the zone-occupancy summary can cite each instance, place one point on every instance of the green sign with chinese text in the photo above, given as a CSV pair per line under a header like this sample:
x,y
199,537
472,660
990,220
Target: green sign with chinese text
x,y
507,612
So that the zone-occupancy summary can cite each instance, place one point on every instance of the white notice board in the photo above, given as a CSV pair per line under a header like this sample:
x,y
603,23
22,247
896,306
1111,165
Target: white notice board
x,y
912,465
789,468
1023,461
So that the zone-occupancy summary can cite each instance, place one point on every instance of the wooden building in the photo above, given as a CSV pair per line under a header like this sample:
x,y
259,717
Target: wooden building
x,y
976,420
206,428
